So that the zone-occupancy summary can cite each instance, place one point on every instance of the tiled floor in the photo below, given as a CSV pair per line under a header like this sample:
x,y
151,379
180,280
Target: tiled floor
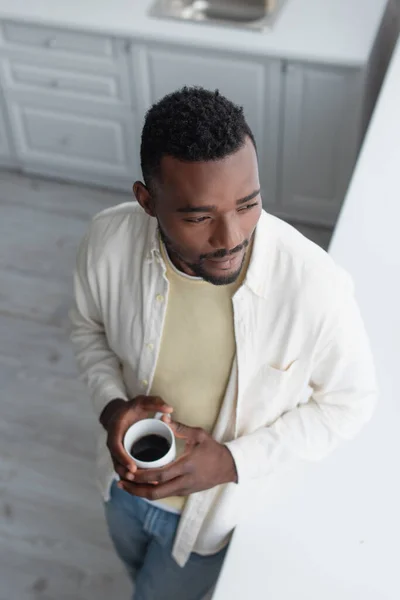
x,y
53,543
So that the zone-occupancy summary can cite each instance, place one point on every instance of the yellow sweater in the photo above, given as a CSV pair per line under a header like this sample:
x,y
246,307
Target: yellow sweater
x,y
197,350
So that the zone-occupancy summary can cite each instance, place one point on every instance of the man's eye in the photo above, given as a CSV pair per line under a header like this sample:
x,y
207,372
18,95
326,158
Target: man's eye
x,y
197,220
248,207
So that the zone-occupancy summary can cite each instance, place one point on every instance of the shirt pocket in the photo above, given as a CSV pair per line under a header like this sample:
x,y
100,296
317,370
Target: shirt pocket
x,y
271,393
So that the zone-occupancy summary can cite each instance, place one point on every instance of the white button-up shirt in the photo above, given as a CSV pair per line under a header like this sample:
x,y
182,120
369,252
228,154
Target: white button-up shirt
x,y
303,378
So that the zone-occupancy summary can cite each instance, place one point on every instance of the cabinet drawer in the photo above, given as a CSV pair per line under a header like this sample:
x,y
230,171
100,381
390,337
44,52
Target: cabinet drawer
x,y
72,140
57,40
98,88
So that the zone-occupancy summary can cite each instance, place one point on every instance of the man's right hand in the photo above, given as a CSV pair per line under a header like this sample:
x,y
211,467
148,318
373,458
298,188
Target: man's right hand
x,y
116,419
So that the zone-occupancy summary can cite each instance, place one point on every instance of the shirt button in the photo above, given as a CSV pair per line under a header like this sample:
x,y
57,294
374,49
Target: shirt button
x,y
150,346
160,298
145,383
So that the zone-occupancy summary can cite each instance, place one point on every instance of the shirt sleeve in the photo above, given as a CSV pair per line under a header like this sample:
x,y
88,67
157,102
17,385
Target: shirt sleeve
x,y
99,366
344,394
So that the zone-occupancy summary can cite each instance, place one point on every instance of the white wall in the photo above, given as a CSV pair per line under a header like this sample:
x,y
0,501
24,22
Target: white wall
x,y
336,536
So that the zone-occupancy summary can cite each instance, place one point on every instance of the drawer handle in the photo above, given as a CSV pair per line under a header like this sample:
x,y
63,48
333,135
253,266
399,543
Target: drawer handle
x,y
50,42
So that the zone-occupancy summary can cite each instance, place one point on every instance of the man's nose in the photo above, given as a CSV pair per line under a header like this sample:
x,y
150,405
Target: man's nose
x,y
227,235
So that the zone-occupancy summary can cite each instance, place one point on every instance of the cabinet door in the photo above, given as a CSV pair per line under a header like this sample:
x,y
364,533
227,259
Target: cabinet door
x,y
322,115
89,147
251,83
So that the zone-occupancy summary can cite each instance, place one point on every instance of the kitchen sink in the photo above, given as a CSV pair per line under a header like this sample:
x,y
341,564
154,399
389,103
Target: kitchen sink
x,y
249,14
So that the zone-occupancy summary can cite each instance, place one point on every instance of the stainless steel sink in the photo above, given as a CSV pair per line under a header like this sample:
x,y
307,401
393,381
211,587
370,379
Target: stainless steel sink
x,y
249,14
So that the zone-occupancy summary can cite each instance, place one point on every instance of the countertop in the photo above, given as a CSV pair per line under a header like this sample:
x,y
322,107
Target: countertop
x,y
329,31
336,535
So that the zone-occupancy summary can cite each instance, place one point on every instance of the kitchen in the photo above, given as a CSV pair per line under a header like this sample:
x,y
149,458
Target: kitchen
x,y
75,83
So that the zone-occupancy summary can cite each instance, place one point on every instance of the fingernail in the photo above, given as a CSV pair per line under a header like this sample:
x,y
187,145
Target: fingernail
x,y
130,476
120,485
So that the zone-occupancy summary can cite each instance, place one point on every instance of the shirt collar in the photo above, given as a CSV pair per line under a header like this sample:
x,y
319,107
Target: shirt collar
x,y
153,246
262,258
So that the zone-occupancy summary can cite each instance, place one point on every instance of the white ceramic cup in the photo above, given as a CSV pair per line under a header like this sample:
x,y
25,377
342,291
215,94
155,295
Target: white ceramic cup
x,y
151,427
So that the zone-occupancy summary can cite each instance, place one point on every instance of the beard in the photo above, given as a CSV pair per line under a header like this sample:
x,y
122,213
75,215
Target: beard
x,y
198,268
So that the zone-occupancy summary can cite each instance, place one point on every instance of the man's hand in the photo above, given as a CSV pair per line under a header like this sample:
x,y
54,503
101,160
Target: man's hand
x,y
118,416
204,464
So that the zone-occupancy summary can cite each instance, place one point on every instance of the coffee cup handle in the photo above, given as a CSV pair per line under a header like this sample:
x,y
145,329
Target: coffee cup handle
x,y
159,416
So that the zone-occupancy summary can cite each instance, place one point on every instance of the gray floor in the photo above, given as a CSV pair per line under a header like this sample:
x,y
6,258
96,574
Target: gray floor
x,y
53,542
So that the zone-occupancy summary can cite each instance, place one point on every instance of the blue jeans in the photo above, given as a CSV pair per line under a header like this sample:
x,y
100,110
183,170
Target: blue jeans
x,y
143,537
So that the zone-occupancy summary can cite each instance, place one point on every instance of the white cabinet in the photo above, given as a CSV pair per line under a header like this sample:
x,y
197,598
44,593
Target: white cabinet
x,y
70,106
58,41
71,142
75,102
320,138
76,85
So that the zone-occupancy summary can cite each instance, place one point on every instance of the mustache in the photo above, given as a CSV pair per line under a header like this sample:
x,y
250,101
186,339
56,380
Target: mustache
x,y
222,253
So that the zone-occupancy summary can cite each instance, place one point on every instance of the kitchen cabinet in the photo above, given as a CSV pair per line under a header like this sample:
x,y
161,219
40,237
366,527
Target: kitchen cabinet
x,y
69,104
77,83
72,144
253,84
322,115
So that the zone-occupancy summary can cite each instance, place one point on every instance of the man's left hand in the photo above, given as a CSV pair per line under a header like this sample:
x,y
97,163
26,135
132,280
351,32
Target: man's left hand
x,y
204,465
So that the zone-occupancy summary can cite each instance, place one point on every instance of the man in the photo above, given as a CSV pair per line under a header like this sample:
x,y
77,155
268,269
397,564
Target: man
x,y
196,303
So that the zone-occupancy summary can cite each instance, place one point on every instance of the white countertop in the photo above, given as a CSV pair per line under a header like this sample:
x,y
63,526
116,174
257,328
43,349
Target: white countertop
x,y
336,536
332,31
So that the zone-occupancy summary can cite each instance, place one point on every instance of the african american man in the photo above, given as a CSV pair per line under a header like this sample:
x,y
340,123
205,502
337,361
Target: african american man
x,y
194,302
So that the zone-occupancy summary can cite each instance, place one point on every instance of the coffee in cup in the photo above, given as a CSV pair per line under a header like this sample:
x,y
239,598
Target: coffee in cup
x,y
150,448
151,443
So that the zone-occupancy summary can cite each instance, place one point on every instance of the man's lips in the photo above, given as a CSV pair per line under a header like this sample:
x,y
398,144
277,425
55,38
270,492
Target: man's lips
x,y
227,261
221,260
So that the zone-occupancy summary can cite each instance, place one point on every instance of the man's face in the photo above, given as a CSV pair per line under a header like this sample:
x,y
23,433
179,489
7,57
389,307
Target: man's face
x,y
207,212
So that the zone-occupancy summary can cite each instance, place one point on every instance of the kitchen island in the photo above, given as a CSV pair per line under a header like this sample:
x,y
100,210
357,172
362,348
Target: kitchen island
x,y
333,534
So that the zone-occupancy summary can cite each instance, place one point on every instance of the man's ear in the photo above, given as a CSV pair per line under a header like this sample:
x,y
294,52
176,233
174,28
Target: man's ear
x,y
143,196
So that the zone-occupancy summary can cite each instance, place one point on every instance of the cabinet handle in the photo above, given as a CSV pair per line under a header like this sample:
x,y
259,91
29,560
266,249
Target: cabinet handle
x,y
50,42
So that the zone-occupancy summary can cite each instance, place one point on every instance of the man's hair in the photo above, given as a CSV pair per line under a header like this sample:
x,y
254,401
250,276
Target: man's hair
x,y
192,125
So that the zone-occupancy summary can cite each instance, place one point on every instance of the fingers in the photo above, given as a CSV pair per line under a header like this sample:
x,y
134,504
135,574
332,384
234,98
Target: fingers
x,y
177,487
179,468
122,472
194,435
153,404
119,455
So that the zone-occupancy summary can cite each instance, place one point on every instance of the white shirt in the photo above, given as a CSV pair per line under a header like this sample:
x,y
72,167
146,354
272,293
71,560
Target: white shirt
x,y
303,378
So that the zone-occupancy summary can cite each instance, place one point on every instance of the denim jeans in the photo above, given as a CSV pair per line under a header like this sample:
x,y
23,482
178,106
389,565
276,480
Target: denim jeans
x,y
143,537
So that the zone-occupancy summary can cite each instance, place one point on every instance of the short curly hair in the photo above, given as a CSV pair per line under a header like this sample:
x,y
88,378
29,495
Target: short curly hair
x,y
192,124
